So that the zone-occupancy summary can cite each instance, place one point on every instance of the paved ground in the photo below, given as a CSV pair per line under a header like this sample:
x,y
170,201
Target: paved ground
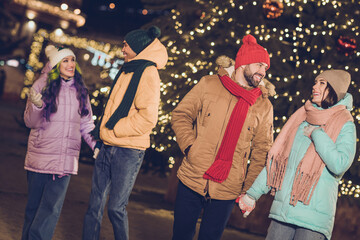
x,y
150,217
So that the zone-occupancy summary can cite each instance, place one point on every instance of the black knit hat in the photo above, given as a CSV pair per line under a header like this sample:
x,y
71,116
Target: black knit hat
x,y
139,39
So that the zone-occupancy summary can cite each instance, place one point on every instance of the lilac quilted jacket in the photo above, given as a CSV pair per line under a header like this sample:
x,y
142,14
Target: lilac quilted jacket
x,y
54,146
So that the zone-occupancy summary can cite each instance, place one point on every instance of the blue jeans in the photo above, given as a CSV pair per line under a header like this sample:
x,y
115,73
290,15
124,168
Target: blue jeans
x,y
188,207
114,174
283,231
46,194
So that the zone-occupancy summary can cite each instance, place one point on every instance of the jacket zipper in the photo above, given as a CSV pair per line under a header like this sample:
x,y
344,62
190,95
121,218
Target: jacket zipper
x,y
245,165
206,191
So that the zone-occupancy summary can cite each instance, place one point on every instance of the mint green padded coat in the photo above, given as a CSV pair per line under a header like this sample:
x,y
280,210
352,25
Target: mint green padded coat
x,y
319,215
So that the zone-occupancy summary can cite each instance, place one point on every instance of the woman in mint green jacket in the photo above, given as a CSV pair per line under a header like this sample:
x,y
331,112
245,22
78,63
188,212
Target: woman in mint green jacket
x,y
308,159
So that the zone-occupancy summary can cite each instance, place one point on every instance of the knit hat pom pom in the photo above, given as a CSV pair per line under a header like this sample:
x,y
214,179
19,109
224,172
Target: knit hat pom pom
x,y
154,32
249,39
50,50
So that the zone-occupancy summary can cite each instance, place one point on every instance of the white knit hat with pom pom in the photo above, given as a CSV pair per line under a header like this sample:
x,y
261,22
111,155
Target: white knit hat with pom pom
x,y
55,55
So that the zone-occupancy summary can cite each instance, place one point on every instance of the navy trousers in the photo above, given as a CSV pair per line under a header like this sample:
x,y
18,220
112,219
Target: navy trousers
x,y
188,208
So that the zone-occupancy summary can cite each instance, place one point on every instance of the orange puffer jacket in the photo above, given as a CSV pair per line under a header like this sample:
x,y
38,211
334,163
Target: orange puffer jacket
x,y
134,130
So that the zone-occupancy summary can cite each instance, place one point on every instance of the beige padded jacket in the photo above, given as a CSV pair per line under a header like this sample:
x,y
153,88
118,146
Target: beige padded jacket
x,y
200,120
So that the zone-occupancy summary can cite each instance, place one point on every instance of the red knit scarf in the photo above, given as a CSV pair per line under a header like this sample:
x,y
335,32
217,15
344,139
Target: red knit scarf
x,y
220,168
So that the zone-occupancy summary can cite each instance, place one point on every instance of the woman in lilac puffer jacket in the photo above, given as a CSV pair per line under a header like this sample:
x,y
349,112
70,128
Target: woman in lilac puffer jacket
x,y
58,111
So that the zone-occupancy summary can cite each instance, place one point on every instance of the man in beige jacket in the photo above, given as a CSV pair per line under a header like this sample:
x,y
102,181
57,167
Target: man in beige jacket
x,y
221,125
124,130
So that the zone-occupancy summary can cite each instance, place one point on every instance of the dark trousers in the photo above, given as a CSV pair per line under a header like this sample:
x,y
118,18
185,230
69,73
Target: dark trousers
x,y
188,207
46,194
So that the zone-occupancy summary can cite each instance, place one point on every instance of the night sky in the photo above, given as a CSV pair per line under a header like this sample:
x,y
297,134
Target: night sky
x,y
126,16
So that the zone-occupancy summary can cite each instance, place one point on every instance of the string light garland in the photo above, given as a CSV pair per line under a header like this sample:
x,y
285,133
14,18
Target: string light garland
x,y
37,46
301,43
273,8
346,45
301,40
347,188
41,6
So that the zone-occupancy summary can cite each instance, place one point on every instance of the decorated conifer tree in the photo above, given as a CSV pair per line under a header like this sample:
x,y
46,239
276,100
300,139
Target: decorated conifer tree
x,y
303,37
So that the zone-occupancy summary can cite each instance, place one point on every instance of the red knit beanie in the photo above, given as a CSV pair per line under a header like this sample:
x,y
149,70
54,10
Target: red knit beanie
x,y
251,52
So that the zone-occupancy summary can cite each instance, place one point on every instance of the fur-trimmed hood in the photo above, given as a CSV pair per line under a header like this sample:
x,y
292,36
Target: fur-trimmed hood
x,y
228,64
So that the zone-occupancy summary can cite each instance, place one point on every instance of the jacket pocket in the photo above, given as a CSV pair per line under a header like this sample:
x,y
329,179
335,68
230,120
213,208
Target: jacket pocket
x,y
190,152
206,113
246,137
193,154
37,137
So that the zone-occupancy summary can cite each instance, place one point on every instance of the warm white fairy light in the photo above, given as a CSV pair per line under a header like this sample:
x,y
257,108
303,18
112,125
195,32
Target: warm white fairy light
x,y
62,39
61,11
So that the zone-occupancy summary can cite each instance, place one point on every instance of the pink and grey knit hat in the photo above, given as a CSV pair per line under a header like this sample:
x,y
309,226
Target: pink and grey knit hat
x,y
55,55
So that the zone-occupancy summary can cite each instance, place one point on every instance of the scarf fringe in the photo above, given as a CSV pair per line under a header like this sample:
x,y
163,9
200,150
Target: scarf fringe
x,y
304,186
218,171
277,170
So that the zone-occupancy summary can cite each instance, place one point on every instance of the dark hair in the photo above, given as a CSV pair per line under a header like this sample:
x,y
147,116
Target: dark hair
x,y
331,99
51,92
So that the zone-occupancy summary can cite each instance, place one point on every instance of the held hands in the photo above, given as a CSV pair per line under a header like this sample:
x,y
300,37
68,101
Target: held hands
x,y
246,204
35,98
96,152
